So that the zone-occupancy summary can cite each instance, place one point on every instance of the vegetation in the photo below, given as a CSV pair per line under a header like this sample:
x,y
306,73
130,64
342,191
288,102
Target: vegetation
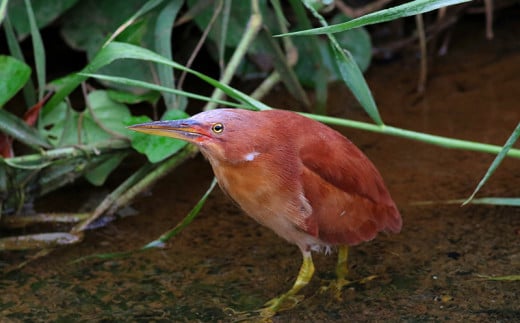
x,y
130,53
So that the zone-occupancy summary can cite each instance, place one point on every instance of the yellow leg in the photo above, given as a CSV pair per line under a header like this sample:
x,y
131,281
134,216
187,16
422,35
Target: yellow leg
x,y
341,274
290,299
342,268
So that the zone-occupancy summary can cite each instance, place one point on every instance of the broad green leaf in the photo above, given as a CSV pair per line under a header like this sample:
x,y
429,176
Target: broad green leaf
x,y
108,112
45,12
104,119
19,130
98,175
411,8
156,148
17,72
507,146
86,26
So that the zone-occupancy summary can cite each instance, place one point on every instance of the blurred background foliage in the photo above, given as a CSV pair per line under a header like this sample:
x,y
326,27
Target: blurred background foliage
x,y
73,125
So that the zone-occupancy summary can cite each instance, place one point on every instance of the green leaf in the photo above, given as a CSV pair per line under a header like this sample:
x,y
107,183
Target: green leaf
x,y
116,50
163,45
156,148
45,12
501,155
98,175
17,72
356,41
104,119
38,50
19,130
87,25
3,9
411,8
29,92
350,73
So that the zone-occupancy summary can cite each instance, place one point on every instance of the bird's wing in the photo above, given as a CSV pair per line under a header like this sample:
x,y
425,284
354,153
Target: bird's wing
x,y
349,199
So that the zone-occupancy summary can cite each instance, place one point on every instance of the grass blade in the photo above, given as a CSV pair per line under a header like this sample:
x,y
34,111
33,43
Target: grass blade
x,y
501,278
501,155
38,49
3,10
160,88
143,10
498,201
407,9
350,73
29,92
157,243
163,42
117,50
186,221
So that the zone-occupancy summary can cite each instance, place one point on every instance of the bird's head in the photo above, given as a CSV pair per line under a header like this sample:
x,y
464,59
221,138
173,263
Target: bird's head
x,y
222,134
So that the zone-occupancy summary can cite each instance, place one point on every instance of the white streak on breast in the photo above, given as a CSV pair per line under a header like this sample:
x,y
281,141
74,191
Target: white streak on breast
x,y
251,156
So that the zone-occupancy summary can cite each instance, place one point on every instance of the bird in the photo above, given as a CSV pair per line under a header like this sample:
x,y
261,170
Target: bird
x,y
302,179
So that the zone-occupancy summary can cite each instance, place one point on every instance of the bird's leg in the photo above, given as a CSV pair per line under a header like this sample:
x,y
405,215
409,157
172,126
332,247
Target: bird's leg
x,y
282,302
341,274
342,267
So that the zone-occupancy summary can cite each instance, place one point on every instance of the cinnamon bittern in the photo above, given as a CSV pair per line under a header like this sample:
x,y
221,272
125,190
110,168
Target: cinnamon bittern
x,y
298,177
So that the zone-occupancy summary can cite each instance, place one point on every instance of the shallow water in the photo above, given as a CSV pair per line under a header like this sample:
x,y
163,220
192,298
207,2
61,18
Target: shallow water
x,y
428,272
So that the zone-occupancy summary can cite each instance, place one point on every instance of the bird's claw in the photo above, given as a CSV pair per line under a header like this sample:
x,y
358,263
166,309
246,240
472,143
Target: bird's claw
x,y
337,285
262,315
281,303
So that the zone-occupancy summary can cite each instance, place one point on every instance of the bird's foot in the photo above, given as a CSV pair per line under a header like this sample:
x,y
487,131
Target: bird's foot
x,y
337,285
247,316
281,303
265,314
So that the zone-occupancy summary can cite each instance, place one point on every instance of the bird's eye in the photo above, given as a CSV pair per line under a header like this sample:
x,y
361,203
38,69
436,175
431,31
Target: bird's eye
x,y
217,128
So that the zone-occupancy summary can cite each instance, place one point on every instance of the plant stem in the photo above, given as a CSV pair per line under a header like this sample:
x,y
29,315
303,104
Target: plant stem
x,y
414,135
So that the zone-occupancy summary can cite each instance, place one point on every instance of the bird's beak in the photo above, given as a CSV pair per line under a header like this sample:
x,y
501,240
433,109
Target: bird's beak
x,y
185,129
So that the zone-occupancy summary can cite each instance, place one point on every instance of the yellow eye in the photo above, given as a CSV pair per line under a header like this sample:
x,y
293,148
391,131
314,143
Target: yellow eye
x,y
217,128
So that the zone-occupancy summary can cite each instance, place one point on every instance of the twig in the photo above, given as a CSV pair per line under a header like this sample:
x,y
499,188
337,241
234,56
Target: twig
x,y
489,18
423,73
201,41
